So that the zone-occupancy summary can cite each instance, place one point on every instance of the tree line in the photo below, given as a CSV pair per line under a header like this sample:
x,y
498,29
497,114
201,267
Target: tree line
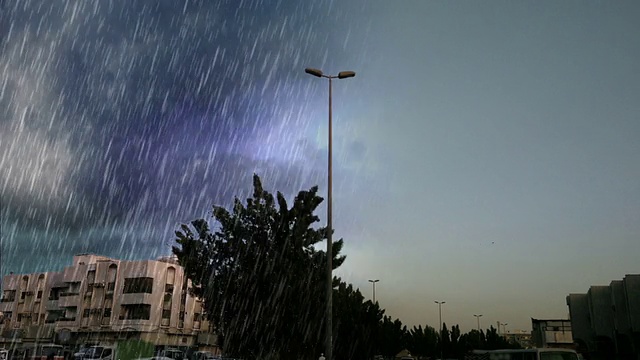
x,y
262,279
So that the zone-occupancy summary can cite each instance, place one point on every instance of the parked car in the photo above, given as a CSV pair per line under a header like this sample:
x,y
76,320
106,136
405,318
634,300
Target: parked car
x,y
174,354
99,353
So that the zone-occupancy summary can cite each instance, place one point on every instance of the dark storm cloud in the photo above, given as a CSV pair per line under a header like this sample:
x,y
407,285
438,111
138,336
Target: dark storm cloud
x,y
121,119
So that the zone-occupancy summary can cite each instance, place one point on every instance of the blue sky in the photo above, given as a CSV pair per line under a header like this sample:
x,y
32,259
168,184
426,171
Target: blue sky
x,y
486,152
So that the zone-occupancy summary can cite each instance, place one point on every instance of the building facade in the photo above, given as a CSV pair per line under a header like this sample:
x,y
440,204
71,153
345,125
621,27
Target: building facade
x,y
520,337
606,319
103,300
552,333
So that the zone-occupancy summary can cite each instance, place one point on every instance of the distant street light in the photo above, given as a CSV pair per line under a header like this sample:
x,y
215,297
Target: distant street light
x,y
373,282
478,318
440,303
504,327
329,305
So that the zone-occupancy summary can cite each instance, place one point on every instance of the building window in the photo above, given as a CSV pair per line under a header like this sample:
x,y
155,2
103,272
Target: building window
x,y
19,319
107,312
91,277
9,296
23,295
39,295
85,313
135,312
181,316
73,289
138,285
54,294
166,314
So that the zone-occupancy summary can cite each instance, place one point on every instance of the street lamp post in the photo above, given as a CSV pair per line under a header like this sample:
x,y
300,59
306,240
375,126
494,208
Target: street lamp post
x,y
440,303
504,328
329,305
478,318
373,282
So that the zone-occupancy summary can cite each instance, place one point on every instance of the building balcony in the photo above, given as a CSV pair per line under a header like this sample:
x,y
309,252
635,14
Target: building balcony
x,y
6,306
138,298
66,320
51,305
69,299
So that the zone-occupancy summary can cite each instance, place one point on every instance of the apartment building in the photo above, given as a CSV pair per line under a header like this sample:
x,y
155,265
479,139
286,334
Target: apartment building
x,y
605,320
102,300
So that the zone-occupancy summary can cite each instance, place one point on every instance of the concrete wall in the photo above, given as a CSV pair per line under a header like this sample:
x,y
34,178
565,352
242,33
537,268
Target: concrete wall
x,y
632,289
607,318
580,318
620,310
601,311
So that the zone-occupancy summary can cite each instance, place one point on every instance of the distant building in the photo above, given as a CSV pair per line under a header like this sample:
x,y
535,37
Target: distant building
x,y
103,300
552,333
520,337
606,320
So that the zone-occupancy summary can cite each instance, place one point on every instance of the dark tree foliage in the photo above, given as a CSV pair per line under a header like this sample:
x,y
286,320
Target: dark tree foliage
x,y
393,337
262,280
496,341
444,344
423,341
356,324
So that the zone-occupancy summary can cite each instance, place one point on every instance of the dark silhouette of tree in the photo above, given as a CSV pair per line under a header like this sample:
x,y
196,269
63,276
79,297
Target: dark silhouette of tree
x,y
422,341
261,278
445,341
356,323
496,341
393,337
456,348
472,340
